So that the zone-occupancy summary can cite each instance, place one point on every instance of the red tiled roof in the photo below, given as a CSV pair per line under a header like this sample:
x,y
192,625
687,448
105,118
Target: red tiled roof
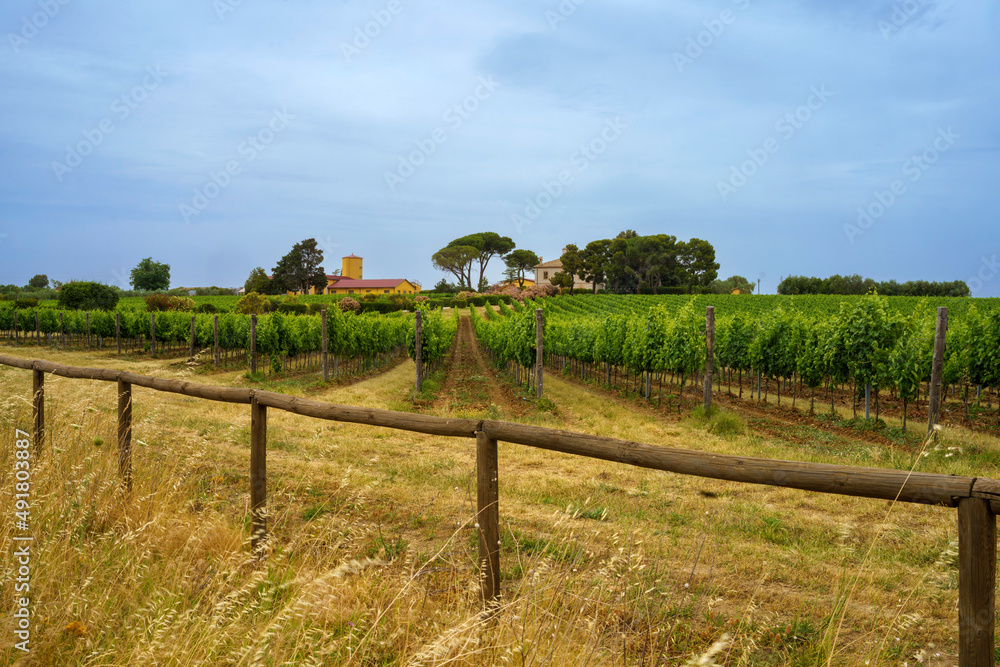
x,y
352,256
353,283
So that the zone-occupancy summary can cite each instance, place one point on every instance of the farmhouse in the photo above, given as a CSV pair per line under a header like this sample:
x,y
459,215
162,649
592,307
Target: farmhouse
x,y
545,270
351,281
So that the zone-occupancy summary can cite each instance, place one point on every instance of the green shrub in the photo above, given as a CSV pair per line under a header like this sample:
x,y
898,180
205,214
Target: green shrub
x,y
21,304
293,308
87,296
459,303
182,303
161,302
478,300
206,308
380,307
252,303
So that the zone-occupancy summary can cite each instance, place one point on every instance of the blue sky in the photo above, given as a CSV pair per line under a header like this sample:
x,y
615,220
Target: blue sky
x,y
804,137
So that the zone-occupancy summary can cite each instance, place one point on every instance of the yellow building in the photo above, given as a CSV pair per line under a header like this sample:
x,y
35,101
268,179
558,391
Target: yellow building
x,y
351,281
528,282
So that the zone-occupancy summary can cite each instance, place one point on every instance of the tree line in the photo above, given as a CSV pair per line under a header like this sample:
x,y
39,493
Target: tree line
x,y
632,264
857,285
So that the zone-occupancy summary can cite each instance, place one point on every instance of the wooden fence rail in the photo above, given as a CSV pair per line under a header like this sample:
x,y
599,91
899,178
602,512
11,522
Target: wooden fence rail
x,y
977,499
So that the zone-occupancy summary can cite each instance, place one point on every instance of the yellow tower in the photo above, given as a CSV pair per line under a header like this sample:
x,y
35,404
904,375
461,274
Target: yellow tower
x,y
351,267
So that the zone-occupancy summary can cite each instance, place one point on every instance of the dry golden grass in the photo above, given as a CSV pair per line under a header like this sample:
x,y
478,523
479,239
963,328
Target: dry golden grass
x,y
372,547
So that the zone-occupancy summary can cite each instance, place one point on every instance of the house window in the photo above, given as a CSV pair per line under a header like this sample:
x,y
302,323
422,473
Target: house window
x,y
545,275
350,291
387,291
368,291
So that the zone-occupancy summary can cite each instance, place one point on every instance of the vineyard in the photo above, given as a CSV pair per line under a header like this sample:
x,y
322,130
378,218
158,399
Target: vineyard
x,y
372,529
810,346
357,342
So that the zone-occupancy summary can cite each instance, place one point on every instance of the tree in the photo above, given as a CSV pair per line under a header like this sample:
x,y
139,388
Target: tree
x,y
729,284
88,296
571,261
457,260
150,275
258,282
41,281
594,262
518,262
697,261
301,268
563,279
444,287
488,245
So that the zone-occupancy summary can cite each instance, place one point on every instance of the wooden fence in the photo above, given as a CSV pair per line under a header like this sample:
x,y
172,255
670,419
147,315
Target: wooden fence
x,y
976,499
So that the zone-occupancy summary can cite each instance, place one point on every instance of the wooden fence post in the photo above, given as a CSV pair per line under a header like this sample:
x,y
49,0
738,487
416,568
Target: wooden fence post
x,y
488,516
934,404
38,330
539,357
62,330
87,316
152,331
38,408
418,350
326,342
253,342
118,332
15,327
215,337
191,351
125,434
258,474
649,377
977,558
709,356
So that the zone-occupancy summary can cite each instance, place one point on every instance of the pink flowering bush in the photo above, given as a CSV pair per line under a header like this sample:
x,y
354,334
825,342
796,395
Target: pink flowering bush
x,y
349,305
515,292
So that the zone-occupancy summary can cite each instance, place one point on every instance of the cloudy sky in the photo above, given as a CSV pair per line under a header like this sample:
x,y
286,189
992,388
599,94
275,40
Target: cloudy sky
x,y
804,137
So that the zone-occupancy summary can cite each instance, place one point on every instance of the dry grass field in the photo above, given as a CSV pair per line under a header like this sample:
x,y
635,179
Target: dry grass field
x,y
371,557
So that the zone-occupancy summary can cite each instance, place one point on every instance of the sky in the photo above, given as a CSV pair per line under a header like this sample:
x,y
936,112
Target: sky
x,y
799,137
